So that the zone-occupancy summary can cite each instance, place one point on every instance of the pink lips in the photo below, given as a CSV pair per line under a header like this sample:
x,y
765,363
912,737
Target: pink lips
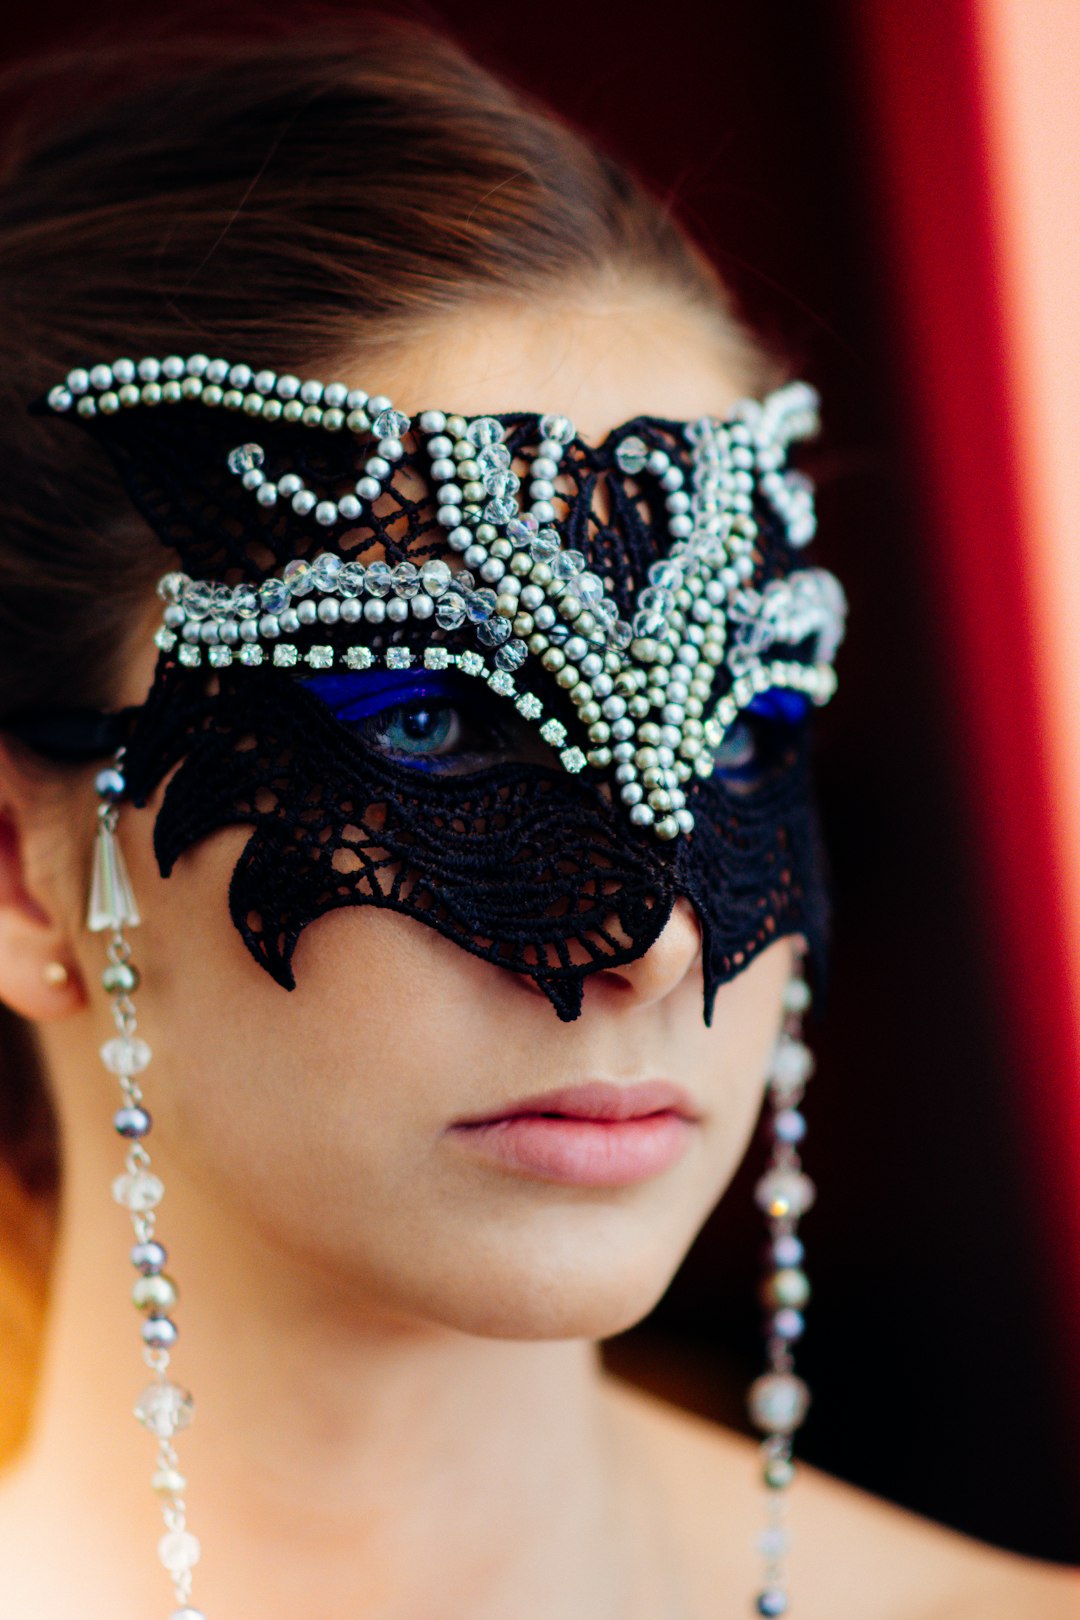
x,y
593,1135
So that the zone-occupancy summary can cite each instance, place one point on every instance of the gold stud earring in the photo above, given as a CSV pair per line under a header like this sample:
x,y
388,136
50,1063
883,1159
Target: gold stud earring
x,y
55,974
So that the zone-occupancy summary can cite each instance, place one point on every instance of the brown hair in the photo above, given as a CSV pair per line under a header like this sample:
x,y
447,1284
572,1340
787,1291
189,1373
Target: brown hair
x,y
272,202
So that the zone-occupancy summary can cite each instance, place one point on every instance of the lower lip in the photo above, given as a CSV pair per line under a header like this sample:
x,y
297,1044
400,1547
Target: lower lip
x,y
581,1152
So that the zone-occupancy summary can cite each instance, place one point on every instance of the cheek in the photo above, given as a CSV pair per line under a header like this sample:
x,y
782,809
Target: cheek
x,y
316,1116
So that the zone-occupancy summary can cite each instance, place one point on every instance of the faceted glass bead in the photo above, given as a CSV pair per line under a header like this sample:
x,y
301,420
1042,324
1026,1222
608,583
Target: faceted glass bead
x,y
125,1054
501,509
590,588
325,570
655,600
390,425
620,634
297,576
379,579
792,1065
164,1409
245,458
406,578
559,429
350,581
778,1402
522,530
631,454
139,1192
544,546
245,602
179,1550
667,575
511,655
435,576
450,610
484,431
784,1192
494,631
492,459
198,598
567,564
273,596
501,483
221,602
480,605
170,586
648,624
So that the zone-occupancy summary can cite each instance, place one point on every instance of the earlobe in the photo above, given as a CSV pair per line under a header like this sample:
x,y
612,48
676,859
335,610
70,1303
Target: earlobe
x,y
37,978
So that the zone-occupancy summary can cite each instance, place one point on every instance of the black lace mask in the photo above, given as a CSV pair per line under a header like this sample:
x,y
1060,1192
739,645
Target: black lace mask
x,y
531,727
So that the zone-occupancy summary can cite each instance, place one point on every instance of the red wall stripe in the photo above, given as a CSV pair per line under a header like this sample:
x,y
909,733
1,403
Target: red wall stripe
x,y
926,113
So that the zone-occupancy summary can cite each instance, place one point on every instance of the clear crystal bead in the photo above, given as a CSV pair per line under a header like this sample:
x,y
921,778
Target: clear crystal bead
x,y
492,459
164,1409
665,574
273,596
170,587
179,1550
558,429
655,600
484,431
450,610
792,1065
501,509
620,634
125,1054
138,1192
406,578
778,1402
435,576
784,1192
379,579
494,631
325,570
544,546
567,564
648,624
198,598
297,576
511,655
480,605
245,604
632,454
590,588
350,581
522,530
245,458
390,424
501,482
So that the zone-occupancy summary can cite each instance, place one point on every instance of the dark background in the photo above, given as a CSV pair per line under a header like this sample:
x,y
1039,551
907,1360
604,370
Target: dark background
x,y
927,1342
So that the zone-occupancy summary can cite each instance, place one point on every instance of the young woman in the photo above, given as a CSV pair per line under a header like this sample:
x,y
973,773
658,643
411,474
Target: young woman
x,y
459,996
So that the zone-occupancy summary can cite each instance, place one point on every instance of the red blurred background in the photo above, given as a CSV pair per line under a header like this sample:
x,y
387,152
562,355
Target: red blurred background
x,y
844,162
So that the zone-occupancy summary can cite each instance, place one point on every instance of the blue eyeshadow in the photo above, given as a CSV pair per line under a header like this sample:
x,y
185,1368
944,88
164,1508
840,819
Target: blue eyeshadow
x,y
362,693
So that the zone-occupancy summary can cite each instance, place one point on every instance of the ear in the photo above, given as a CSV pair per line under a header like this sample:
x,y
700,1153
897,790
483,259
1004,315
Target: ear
x,y
32,941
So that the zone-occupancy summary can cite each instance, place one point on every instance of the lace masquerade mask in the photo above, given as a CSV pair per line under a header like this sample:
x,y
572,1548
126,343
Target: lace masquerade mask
x,y
521,688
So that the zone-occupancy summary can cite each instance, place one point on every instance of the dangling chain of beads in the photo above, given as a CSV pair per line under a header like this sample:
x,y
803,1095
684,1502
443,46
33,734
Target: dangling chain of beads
x,y
778,1400
163,1407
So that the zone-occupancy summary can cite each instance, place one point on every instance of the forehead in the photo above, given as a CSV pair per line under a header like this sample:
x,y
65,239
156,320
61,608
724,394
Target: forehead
x,y
599,359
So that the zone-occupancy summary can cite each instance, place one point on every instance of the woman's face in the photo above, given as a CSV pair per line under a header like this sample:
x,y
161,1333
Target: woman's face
x,y
325,1120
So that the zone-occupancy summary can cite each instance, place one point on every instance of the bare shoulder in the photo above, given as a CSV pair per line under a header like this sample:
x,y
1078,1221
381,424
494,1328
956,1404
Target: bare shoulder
x,y
854,1556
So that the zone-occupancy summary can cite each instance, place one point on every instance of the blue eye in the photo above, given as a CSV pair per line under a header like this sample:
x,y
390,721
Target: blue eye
x,y
432,721
756,743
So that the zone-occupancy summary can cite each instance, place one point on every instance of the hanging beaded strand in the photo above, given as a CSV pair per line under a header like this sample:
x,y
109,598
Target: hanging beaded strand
x,y
163,1407
778,1400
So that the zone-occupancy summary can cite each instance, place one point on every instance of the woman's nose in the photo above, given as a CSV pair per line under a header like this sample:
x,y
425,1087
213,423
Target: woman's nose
x,y
649,977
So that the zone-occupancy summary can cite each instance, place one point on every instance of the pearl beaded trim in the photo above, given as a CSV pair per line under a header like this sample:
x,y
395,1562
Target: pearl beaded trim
x,y
641,687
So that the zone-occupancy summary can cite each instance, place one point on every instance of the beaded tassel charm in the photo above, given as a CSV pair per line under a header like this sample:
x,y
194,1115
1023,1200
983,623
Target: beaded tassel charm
x,y
163,1407
778,1400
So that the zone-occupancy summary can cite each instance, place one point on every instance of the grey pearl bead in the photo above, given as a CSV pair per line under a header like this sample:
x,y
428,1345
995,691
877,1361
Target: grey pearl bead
x,y
307,612
329,610
131,1122
149,1257
160,1333
397,609
289,621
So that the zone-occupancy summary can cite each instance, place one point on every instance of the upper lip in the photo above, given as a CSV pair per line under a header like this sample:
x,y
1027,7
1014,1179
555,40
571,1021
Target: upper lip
x,y
596,1099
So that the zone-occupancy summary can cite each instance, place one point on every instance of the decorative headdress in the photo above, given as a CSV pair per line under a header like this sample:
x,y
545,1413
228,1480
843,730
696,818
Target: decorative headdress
x,y
636,619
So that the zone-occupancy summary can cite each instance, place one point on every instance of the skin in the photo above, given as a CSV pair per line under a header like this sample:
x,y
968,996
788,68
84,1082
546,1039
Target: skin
x,y
400,1408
